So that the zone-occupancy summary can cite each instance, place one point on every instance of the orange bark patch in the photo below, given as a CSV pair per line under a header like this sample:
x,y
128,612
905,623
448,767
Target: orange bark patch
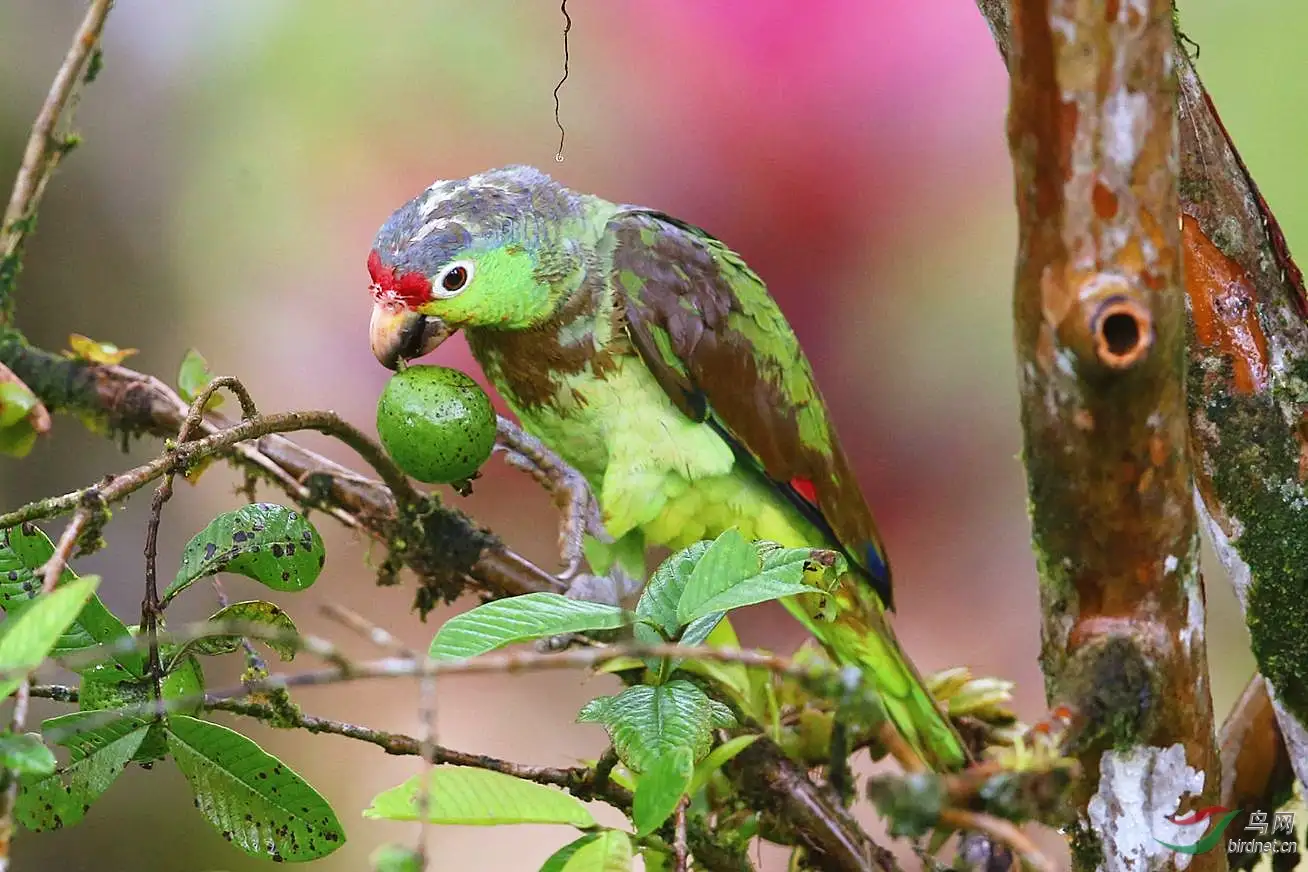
x,y
1105,201
1222,303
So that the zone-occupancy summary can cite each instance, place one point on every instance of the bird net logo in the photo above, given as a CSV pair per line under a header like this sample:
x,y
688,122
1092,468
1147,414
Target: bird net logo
x,y
1215,819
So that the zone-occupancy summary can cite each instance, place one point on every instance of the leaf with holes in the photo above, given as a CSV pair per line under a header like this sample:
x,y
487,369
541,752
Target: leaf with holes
x,y
254,612
521,619
23,551
26,754
271,544
660,788
28,639
257,802
479,797
647,722
99,752
193,377
609,851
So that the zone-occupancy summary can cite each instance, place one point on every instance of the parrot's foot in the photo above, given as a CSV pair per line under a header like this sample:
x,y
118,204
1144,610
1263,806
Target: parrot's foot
x,y
615,589
572,494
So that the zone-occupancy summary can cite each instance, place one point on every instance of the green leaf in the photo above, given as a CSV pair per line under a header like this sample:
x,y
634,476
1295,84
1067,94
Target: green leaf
x,y
658,602
29,638
660,788
17,435
718,585
479,797
648,722
719,757
558,861
271,544
26,754
726,563
23,551
750,592
109,687
99,754
610,851
250,796
193,377
520,619
247,612
395,858
655,860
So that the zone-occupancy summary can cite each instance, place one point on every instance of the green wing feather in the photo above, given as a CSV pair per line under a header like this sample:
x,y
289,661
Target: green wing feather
x,y
716,341
721,349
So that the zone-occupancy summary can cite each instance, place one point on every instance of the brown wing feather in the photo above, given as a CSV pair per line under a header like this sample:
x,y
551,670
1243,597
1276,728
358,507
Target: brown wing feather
x,y
690,302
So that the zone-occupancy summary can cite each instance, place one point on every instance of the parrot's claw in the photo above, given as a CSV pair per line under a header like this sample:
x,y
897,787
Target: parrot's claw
x,y
571,492
615,589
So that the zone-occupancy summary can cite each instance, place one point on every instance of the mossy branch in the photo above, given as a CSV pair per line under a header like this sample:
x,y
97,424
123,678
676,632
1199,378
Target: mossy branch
x,y
1247,388
1100,317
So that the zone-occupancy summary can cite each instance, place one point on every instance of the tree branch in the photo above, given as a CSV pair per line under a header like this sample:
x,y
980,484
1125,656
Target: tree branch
x,y
449,552
44,151
1248,363
1100,310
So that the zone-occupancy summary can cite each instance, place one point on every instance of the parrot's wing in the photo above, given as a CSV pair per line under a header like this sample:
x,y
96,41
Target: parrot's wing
x,y
717,343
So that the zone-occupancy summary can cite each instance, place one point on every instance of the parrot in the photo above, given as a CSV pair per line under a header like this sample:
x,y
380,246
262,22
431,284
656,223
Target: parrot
x,y
652,359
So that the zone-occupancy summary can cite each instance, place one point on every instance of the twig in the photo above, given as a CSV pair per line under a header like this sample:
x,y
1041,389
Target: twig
x,y
151,609
40,157
374,633
56,692
1001,831
680,850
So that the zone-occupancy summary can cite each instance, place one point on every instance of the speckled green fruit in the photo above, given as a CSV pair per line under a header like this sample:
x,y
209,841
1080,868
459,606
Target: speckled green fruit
x,y
109,686
436,423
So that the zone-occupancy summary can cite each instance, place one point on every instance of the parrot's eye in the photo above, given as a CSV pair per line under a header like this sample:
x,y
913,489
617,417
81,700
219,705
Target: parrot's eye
x,y
454,279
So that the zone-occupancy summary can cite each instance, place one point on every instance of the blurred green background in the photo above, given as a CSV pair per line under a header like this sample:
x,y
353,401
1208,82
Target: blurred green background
x,y
240,156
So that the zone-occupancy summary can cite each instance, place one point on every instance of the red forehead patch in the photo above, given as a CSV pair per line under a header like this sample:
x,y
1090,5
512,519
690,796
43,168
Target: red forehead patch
x,y
412,288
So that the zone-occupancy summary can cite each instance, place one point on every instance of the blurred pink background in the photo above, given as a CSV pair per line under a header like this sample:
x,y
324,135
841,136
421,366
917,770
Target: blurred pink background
x,y
240,156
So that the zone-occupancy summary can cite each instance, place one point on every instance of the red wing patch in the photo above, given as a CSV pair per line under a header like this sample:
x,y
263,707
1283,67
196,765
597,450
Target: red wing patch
x,y
805,489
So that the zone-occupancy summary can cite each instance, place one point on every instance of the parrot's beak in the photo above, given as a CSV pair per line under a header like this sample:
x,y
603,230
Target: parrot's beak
x,y
399,333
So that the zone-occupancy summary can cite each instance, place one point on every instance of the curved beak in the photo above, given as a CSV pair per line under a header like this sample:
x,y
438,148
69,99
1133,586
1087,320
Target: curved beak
x,y
398,333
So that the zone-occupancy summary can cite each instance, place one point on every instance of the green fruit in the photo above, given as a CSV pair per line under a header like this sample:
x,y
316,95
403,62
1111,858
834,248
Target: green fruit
x,y
436,423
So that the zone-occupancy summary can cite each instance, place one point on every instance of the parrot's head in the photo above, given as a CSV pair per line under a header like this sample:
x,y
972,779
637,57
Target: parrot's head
x,y
489,251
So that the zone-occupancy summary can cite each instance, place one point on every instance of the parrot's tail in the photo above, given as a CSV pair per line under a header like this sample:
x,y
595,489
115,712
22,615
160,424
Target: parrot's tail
x,y
863,637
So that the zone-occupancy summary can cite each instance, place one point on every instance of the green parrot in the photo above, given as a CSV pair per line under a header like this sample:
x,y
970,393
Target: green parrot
x,y
651,358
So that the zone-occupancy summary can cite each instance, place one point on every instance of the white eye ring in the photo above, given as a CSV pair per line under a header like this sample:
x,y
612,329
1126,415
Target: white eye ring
x,y
453,280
